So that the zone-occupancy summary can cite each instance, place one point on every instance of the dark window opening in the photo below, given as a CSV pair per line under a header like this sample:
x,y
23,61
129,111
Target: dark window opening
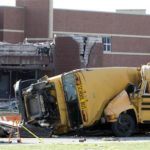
x,y
9,77
4,85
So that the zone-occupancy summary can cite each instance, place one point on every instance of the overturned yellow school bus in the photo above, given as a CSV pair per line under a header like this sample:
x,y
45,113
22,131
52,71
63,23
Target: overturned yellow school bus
x,y
82,98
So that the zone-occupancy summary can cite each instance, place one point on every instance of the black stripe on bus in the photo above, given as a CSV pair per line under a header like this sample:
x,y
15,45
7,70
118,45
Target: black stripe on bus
x,y
145,96
146,121
146,103
145,108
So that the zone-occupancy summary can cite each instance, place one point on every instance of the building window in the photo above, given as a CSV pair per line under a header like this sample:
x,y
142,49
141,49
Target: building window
x,y
106,43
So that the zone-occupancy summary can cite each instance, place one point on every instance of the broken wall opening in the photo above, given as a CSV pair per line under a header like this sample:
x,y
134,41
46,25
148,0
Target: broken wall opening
x,y
23,61
9,77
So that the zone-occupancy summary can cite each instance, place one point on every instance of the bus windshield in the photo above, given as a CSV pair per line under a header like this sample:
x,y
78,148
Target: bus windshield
x,y
71,99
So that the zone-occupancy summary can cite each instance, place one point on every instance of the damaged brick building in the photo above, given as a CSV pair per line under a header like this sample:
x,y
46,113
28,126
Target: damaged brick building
x,y
82,38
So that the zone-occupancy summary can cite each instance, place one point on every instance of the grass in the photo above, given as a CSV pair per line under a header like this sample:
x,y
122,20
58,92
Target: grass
x,y
99,146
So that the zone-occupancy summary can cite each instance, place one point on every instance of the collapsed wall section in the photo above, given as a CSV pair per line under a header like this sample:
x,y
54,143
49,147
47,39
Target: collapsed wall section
x,y
21,62
77,51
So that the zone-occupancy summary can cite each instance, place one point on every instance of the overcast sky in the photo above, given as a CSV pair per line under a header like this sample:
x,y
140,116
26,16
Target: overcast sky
x,y
95,5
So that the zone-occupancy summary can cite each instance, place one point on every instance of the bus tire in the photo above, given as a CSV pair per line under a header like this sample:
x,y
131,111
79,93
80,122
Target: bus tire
x,y
124,126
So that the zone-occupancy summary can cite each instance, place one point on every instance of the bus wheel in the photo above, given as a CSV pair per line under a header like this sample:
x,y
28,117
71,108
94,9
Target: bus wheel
x,y
124,126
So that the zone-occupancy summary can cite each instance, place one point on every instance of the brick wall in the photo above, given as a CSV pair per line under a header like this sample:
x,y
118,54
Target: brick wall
x,y
66,57
124,60
13,18
36,24
13,37
127,44
1,23
111,23
34,19
100,22
96,56
12,24
1,17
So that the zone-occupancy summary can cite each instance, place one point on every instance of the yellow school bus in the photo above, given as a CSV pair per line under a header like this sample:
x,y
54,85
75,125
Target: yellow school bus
x,y
82,98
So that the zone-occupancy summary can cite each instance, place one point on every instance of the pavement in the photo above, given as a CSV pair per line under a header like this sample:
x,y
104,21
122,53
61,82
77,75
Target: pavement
x,y
75,140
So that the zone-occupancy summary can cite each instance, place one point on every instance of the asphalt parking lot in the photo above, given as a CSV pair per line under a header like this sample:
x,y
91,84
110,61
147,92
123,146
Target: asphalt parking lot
x,y
76,140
